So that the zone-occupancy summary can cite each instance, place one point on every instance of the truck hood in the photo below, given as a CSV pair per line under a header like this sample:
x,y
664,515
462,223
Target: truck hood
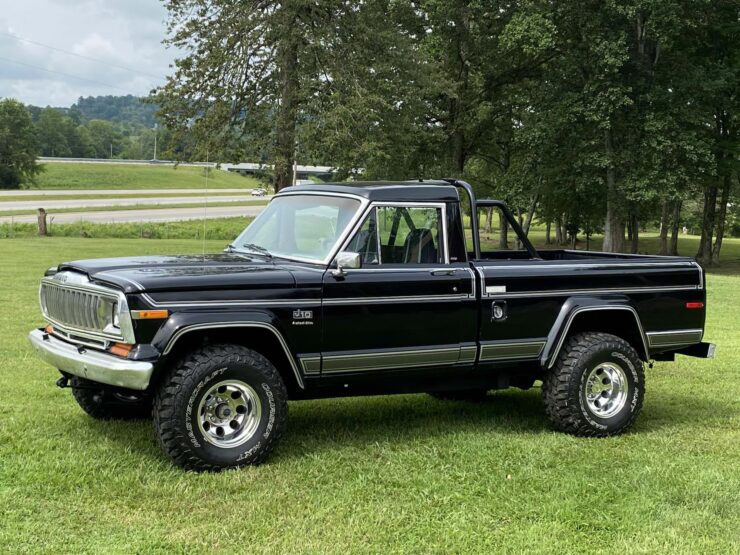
x,y
185,272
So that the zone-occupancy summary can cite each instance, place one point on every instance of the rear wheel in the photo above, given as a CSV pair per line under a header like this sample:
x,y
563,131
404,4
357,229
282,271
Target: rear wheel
x,y
597,386
109,403
221,406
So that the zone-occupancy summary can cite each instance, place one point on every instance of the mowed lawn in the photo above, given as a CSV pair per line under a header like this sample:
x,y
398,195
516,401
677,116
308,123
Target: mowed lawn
x,y
402,474
136,176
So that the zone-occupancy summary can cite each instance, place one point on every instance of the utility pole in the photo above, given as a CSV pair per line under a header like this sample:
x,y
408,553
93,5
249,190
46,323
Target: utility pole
x,y
155,141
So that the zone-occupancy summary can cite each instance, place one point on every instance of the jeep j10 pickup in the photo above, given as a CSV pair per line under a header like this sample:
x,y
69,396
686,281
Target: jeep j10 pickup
x,y
361,289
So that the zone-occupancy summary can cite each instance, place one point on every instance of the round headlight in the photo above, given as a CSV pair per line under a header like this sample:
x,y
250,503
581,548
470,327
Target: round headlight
x,y
106,311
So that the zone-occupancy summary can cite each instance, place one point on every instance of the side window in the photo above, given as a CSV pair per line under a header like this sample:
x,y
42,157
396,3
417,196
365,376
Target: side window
x,y
410,235
365,242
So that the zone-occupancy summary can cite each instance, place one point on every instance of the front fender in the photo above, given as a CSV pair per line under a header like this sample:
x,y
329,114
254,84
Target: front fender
x,y
180,324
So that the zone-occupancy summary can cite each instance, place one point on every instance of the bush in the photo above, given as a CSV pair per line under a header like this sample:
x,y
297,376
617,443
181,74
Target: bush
x,y
9,178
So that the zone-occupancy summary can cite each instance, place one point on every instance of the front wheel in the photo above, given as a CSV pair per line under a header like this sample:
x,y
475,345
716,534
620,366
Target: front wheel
x,y
222,406
596,387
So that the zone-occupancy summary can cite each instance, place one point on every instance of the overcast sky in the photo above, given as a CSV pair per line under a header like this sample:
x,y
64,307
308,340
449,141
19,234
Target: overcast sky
x,y
124,33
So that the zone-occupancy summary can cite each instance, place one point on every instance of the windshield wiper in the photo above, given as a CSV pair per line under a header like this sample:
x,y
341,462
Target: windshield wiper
x,y
261,250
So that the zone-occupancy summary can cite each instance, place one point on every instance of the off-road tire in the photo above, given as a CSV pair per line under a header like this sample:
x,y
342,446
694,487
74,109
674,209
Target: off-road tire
x,y
472,395
180,392
106,403
563,388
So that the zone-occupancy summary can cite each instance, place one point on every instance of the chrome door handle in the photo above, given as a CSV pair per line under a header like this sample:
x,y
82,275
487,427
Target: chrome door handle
x,y
445,272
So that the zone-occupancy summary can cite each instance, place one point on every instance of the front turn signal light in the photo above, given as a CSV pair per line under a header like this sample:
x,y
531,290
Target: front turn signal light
x,y
150,314
121,349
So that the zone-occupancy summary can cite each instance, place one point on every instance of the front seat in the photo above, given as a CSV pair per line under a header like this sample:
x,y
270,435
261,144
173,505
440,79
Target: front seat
x,y
418,248
366,244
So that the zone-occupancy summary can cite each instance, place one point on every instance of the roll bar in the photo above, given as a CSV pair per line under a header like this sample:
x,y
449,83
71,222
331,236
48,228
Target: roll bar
x,y
475,204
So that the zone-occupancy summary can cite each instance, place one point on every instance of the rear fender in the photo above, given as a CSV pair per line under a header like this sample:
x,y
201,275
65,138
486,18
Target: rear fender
x,y
575,306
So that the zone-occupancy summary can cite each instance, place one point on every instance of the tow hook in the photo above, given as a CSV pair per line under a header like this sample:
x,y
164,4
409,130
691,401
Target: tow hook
x,y
63,382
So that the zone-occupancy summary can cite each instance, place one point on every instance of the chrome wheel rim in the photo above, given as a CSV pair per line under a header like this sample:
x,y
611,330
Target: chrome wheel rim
x,y
606,390
229,413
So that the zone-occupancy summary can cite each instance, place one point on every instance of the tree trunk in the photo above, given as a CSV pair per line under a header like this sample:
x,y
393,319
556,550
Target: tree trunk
x,y
530,215
458,102
286,116
489,220
548,240
704,255
676,223
721,216
520,219
635,226
664,228
614,224
559,230
503,237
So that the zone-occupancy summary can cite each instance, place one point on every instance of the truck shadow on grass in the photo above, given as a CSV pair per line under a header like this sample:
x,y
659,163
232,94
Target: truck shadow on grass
x,y
328,424
315,426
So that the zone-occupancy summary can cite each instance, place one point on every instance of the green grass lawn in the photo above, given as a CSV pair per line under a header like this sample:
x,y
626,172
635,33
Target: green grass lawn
x,y
399,474
134,176
213,203
93,195
222,229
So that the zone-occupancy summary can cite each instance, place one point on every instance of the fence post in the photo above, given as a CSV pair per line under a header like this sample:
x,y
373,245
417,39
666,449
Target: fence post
x,y
42,222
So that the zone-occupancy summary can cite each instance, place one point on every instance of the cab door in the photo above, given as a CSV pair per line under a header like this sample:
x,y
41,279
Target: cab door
x,y
404,309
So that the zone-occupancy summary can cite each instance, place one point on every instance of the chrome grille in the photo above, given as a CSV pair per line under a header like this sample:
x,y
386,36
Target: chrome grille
x,y
81,309
75,308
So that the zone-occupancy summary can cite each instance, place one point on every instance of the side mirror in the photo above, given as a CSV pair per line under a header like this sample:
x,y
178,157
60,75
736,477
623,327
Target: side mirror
x,y
346,260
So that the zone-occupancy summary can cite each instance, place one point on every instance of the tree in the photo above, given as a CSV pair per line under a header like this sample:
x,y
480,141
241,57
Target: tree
x,y
18,147
54,131
244,69
715,59
105,140
266,74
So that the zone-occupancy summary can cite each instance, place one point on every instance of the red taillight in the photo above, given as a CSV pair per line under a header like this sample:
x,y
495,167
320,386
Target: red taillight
x,y
694,305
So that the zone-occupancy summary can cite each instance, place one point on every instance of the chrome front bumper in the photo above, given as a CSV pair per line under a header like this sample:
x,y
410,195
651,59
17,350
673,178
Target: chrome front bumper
x,y
90,364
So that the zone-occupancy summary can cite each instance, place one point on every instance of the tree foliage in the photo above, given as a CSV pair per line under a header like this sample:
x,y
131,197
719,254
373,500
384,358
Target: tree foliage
x,y
600,116
18,147
594,116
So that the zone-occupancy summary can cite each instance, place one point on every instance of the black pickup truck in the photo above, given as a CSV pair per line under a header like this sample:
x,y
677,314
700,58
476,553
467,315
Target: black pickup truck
x,y
361,289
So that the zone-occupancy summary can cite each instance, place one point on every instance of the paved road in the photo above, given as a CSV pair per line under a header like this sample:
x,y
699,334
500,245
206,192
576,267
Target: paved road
x,y
111,201
89,192
152,215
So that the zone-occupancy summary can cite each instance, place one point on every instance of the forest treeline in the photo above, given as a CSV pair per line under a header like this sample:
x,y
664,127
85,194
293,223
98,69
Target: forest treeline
x,y
588,117
594,116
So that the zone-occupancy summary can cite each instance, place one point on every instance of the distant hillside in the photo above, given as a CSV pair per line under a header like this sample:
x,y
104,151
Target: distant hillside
x,y
132,176
121,109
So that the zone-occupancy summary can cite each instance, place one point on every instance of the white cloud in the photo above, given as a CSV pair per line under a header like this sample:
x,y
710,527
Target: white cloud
x,y
123,38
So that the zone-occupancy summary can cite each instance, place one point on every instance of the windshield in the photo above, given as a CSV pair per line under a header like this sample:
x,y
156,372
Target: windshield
x,y
303,227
